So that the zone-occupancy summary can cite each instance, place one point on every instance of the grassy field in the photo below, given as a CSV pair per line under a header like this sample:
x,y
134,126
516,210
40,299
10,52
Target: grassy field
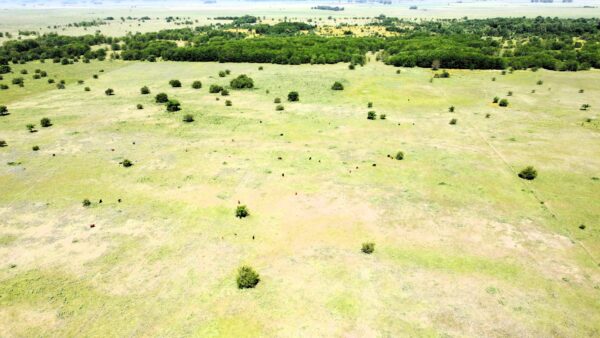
x,y
463,246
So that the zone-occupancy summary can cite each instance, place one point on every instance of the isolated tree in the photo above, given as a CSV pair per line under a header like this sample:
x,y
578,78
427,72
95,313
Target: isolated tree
x,y
241,211
175,83
242,82
188,118
173,106
370,105
162,98
382,117
224,92
45,122
496,99
451,109
337,86
197,85
371,115
293,96
368,247
247,278
529,173
228,103
87,89
109,92
145,90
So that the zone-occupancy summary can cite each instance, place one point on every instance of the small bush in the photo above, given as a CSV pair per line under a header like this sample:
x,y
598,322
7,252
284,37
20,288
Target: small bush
x,y
3,87
50,81
145,90
337,86
529,173
222,73
45,122
87,89
86,203
279,107
3,110
188,118
228,103
3,144
540,82
162,98
224,92
214,89
451,109
18,81
109,92
227,71
585,107
241,211
399,156
173,106
31,127
126,163
368,248
95,76
496,99
370,105
247,278
293,96
510,93
197,85
242,82
260,68
503,103
175,83
139,106
35,148
60,86
24,71
371,115
277,100
453,121
382,117
351,66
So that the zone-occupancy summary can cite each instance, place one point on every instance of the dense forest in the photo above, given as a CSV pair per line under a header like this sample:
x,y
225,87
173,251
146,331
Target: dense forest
x,y
519,43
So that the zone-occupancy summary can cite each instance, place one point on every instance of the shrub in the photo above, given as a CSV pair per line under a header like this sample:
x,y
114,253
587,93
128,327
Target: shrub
x,y
173,105
95,76
224,92
351,66
585,106
109,92
260,68
242,82
45,122
370,105
453,121
145,90
86,203
247,278
293,96
188,118
24,71
87,89
227,71
80,82
241,211
451,109
60,86
213,89
126,163
528,173
277,100
580,91
31,127
496,99
3,143
399,156
36,76
197,85
50,81
35,148
509,93
43,73
162,98
382,117
3,87
503,103
337,86
175,83
139,106
371,115
368,247
540,82
222,73
3,110
279,107
18,81
228,103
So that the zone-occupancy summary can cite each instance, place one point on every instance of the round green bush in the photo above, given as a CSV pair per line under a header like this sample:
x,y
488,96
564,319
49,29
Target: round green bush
x,y
399,156
109,92
242,82
503,103
247,278
453,121
45,122
371,115
214,89
86,202
277,100
279,107
139,106
35,148
293,96
188,118
126,163
197,85
145,90
173,106
241,211
337,86
529,173
368,248
224,92
3,110
228,103
175,83
3,143
162,98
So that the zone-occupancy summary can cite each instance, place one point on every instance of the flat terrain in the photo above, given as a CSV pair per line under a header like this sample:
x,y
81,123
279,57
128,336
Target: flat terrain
x,y
463,246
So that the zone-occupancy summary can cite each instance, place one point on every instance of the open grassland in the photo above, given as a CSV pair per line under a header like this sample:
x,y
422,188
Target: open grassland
x,y
463,246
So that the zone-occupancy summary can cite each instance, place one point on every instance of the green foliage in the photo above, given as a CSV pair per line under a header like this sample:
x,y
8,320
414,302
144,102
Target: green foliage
x,y
222,74
86,203
399,156
451,109
503,103
145,90
139,106
197,85
173,106
162,98
109,92
31,127
242,82
35,148
175,83
87,89
279,107
277,100
496,99
382,117
368,248
188,118
371,115
337,86
293,96
529,173
247,278
3,143
214,89
126,163
3,110
241,211
228,103
370,105
224,92
45,122
453,121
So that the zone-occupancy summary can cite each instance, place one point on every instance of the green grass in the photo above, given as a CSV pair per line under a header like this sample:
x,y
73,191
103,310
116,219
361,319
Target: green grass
x,y
450,222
